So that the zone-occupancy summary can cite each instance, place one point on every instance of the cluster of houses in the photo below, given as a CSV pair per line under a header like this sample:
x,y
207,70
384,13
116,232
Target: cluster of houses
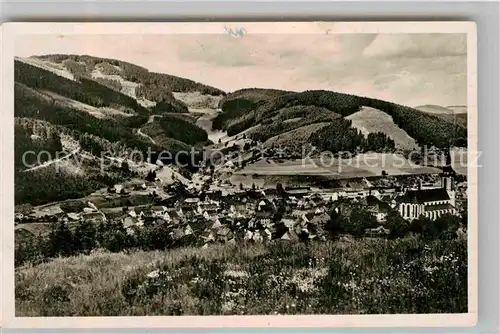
x,y
301,214
247,215
297,213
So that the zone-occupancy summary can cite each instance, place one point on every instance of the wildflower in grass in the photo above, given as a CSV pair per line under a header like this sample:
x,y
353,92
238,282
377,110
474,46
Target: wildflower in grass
x,y
154,274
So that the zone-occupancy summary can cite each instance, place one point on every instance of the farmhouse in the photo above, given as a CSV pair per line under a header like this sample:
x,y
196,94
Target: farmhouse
x,y
94,216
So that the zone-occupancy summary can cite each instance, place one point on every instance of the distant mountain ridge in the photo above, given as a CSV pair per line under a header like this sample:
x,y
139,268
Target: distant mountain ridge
x,y
435,109
458,109
257,107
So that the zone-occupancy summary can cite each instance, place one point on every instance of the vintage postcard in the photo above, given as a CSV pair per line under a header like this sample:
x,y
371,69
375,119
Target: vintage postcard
x,y
303,174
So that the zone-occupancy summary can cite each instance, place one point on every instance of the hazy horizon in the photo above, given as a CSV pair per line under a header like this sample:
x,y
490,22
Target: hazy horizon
x,y
410,69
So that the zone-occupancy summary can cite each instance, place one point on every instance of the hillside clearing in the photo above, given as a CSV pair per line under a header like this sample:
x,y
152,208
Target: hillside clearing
x,y
58,69
128,87
370,120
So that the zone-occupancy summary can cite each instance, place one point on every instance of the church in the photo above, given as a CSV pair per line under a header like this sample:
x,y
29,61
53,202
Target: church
x,y
430,203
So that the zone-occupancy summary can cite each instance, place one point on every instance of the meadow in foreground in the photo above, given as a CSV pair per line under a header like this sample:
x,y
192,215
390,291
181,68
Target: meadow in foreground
x,y
363,276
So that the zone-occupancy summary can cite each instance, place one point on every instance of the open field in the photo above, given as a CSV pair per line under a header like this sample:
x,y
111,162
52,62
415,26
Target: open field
x,y
371,120
363,165
363,276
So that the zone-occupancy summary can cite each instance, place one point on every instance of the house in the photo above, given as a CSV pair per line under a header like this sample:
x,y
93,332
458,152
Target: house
x,y
208,236
378,208
216,225
73,216
290,236
289,223
191,201
188,230
118,188
92,205
94,216
210,207
377,231
292,200
159,210
238,208
166,216
265,205
129,221
224,232
88,210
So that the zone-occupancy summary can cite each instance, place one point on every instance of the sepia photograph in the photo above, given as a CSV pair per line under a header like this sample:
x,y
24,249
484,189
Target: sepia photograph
x,y
244,169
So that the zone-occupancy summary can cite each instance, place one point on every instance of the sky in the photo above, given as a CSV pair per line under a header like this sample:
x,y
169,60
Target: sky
x,y
410,69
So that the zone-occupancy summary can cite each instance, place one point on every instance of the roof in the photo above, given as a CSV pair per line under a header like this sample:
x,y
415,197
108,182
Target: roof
x,y
192,200
92,215
74,216
323,218
374,201
290,235
437,207
288,222
424,195
129,221
173,214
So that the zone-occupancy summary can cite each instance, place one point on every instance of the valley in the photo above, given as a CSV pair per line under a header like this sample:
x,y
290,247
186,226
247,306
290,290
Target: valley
x,y
241,170
259,132
147,165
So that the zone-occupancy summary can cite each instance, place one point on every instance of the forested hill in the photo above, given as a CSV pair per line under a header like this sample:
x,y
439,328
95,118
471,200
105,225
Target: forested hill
x,y
67,106
151,90
151,83
248,108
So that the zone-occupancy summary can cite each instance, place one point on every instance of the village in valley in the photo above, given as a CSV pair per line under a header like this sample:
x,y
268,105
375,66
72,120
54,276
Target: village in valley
x,y
148,191
209,207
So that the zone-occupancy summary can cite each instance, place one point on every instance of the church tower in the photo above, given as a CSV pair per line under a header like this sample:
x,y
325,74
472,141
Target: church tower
x,y
448,179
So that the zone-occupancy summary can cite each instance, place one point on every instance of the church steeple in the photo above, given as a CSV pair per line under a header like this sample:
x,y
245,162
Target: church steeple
x,y
448,157
448,174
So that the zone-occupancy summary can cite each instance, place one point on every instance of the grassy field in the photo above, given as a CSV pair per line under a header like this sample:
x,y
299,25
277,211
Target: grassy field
x,y
363,165
364,276
370,120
